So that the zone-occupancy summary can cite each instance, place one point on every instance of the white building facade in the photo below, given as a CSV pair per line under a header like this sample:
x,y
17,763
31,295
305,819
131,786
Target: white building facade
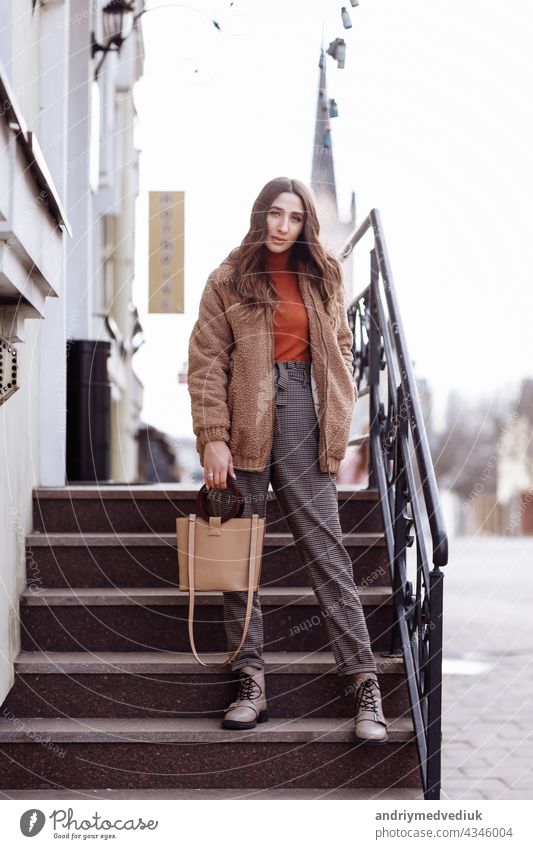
x,y
68,184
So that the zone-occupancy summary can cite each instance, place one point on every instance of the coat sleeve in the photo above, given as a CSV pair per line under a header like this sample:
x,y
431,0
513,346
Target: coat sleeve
x,y
345,336
344,331
210,346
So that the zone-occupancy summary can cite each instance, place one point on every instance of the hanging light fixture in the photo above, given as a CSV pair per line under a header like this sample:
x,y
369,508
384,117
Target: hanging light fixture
x,y
337,49
117,23
119,18
340,55
354,2
345,15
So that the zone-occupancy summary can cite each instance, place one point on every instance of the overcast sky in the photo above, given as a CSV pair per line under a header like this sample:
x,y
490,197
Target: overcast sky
x,y
434,129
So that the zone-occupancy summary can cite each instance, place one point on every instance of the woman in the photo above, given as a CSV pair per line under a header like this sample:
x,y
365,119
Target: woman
x,y
272,395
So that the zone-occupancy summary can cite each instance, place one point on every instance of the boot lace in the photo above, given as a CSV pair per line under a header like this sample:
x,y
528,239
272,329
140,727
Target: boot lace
x,y
249,688
366,696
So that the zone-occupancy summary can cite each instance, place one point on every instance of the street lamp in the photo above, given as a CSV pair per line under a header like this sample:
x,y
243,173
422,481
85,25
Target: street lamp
x,y
337,49
119,18
346,20
117,21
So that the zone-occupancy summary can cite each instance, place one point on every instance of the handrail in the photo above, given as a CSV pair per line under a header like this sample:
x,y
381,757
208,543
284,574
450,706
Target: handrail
x,y
356,236
429,483
417,629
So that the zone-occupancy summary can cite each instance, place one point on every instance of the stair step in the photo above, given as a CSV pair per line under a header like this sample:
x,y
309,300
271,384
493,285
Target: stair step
x,y
154,507
112,663
106,678
156,619
244,794
150,559
178,754
173,684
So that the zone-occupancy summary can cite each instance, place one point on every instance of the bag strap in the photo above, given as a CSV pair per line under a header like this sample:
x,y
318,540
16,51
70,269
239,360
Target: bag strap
x,y
190,566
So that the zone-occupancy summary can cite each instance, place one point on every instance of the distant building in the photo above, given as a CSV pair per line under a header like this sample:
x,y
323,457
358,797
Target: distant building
x,y
190,468
157,456
515,465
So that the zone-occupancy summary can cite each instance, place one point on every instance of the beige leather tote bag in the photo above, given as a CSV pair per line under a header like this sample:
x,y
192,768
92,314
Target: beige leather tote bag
x,y
219,553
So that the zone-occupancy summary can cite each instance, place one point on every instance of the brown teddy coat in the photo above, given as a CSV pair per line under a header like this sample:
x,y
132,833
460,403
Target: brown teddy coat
x,y
231,375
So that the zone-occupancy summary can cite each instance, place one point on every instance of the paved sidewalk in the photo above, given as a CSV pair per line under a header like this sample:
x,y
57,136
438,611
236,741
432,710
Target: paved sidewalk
x,y
488,669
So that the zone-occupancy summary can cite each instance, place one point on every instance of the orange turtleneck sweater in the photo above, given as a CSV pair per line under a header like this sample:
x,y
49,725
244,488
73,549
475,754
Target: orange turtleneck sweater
x,y
291,323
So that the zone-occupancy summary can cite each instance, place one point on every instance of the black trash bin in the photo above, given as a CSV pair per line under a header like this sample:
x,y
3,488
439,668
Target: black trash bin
x,y
88,410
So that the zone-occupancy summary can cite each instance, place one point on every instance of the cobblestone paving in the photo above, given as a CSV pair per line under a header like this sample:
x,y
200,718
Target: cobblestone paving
x,y
487,730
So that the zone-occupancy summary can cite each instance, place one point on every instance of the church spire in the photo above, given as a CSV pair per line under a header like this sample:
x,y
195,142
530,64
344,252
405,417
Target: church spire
x,y
323,173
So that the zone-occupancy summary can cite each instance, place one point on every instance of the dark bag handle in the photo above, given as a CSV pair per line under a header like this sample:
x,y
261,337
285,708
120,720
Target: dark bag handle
x,y
236,508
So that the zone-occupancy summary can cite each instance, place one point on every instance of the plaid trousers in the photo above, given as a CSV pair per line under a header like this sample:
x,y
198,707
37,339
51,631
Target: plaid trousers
x,y
308,501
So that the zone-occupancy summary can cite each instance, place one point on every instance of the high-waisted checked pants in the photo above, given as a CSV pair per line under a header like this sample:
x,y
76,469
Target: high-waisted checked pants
x,y
308,501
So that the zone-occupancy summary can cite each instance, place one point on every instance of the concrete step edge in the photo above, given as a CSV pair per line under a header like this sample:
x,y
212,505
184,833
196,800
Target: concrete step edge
x,y
90,663
113,596
198,730
162,492
158,540
241,794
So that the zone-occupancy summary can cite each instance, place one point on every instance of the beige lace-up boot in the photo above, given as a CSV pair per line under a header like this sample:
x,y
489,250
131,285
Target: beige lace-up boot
x,y
370,724
250,706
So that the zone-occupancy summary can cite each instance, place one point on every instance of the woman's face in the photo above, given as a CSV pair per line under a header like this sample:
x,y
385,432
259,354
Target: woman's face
x,y
285,221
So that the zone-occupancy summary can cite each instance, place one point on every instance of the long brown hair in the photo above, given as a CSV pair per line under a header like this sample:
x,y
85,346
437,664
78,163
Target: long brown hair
x,y
250,280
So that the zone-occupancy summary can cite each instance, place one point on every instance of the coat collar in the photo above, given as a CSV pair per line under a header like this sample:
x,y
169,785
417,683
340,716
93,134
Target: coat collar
x,y
310,296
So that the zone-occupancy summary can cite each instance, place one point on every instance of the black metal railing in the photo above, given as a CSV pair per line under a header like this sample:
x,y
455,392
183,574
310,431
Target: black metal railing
x,y
401,468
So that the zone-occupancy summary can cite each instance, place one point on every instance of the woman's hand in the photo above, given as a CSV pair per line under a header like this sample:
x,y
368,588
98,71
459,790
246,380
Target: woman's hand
x,y
218,460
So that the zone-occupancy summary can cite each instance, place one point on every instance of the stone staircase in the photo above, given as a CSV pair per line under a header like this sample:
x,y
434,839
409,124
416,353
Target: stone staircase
x,y
108,698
